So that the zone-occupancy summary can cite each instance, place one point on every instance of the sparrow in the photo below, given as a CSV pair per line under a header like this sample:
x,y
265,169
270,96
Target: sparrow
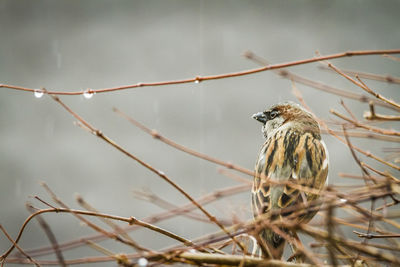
x,y
293,152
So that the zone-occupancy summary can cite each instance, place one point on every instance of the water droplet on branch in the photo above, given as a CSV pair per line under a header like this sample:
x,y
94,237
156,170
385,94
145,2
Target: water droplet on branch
x,y
38,93
197,80
142,262
88,94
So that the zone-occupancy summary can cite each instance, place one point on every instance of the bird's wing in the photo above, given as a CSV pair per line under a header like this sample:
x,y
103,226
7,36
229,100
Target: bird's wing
x,y
288,157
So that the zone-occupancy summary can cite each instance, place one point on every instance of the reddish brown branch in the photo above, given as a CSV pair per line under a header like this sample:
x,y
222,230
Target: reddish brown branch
x,y
331,132
370,76
161,174
162,203
215,77
363,86
130,220
319,234
110,223
158,136
14,242
365,126
354,155
151,219
94,226
371,115
367,134
318,85
50,235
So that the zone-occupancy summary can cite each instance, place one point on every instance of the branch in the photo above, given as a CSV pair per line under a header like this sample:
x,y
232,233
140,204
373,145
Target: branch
x,y
198,79
151,219
391,57
371,236
4,256
50,235
320,234
363,86
365,75
158,136
236,260
367,127
371,115
95,227
318,85
161,174
364,135
110,223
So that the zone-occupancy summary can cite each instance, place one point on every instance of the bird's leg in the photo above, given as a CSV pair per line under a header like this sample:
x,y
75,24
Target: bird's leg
x,y
297,255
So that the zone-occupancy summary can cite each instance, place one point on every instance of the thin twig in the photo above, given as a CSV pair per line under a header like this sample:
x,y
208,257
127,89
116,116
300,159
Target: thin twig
x,y
130,220
391,57
154,228
384,174
110,223
371,236
120,258
365,126
14,242
198,79
319,234
156,200
95,227
350,146
366,153
365,75
161,174
156,135
330,229
318,85
363,86
153,218
50,235
371,115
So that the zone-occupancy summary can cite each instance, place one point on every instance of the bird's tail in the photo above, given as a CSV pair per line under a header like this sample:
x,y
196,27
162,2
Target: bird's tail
x,y
275,243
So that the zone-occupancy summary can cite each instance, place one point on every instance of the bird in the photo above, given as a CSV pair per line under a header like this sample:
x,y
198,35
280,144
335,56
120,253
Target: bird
x,y
292,152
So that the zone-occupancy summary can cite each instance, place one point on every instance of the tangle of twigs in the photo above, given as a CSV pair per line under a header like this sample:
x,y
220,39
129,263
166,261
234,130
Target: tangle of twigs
x,y
376,227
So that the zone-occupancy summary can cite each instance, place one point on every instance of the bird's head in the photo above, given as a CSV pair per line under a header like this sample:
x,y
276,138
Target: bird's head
x,y
286,114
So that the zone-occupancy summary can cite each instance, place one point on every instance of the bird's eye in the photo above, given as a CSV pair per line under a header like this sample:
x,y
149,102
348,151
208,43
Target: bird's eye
x,y
271,114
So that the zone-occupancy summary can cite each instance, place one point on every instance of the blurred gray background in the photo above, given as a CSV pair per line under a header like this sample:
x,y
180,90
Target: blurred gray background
x,y
74,45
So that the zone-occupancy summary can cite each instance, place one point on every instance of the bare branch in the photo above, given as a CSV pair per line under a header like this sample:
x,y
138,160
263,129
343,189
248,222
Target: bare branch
x,y
50,235
161,174
4,256
198,79
318,85
363,86
156,135
370,76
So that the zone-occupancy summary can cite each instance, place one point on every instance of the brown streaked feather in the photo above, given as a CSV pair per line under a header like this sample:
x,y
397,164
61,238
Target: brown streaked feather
x,y
295,154
305,159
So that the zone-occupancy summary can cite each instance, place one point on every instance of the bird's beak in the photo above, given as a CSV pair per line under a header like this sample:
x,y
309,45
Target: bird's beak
x,y
260,116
